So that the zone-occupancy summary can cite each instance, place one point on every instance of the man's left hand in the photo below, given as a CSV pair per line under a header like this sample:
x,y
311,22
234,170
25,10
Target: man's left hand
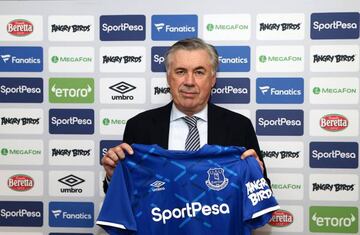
x,y
252,153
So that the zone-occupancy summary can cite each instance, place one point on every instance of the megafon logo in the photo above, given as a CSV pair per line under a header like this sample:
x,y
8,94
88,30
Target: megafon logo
x,y
20,183
341,25
334,122
20,27
333,219
281,218
173,27
71,90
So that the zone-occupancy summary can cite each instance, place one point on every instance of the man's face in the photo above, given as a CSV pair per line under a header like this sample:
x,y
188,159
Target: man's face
x,y
190,78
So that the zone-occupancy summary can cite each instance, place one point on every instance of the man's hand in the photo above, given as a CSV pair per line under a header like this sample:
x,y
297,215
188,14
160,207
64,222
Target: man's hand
x,y
112,157
252,152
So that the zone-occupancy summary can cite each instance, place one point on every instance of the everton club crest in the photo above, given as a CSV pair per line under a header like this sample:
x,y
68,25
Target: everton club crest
x,y
216,179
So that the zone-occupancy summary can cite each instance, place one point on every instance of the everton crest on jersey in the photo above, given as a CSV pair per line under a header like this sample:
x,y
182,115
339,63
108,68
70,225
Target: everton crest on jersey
x,y
212,191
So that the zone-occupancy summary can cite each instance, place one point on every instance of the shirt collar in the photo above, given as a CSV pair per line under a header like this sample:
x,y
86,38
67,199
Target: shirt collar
x,y
177,114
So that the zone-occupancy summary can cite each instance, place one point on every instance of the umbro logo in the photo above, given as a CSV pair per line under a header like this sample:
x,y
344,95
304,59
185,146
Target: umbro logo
x,y
157,186
122,87
71,180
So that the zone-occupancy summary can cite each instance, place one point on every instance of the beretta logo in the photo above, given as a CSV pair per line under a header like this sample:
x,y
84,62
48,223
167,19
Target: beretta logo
x,y
20,182
281,218
20,27
334,122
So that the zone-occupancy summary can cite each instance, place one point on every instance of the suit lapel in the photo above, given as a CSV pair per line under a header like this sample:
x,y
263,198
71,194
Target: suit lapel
x,y
214,122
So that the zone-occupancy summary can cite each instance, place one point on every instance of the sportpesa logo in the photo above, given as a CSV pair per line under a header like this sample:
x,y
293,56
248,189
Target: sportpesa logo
x,y
189,211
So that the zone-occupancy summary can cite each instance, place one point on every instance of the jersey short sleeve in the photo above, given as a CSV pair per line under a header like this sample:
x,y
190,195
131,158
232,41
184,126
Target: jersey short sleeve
x,y
258,200
116,215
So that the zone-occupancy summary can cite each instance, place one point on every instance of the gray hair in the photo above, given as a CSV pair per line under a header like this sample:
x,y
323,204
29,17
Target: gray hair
x,y
193,44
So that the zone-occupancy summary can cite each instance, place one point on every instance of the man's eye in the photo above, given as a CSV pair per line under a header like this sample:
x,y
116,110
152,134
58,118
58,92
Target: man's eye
x,y
199,72
180,72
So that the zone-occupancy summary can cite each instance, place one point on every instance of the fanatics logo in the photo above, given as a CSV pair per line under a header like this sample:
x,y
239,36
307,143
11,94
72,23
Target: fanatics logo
x,y
216,179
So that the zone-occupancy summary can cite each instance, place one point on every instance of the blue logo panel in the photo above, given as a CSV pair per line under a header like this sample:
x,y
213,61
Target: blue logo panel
x,y
71,214
71,121
334,155
280,122
21,59
106,144
231,91
234,58
342,25
122,28
158,58
21,214
173,27
280,90
70,234
21,90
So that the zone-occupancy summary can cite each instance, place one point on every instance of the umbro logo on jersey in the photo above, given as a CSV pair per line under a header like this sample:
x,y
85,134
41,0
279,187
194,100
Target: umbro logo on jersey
x,y
157,186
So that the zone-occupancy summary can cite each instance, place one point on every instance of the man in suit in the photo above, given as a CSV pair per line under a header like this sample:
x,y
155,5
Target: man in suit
x,y
191,66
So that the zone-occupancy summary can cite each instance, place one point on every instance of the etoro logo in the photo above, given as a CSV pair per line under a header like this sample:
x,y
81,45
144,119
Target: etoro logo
x,y
333,219
281,218
20,27
20,183
71,90
334,122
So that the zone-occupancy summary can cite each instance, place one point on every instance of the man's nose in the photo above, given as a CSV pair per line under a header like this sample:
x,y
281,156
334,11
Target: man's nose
x,y
189,79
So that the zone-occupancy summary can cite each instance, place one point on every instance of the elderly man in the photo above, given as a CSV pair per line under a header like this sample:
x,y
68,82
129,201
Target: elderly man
x,y
191,66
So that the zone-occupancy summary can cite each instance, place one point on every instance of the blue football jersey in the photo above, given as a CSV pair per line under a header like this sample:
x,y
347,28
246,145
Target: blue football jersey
x,y
210,191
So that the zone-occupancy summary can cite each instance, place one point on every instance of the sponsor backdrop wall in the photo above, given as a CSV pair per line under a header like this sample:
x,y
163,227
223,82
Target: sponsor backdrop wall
x,y
73,72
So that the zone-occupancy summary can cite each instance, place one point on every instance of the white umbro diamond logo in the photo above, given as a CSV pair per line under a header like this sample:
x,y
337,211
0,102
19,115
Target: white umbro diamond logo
x,y
157,184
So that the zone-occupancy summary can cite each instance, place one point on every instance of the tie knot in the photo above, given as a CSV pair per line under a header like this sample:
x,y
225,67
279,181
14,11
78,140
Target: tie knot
x,y
191,121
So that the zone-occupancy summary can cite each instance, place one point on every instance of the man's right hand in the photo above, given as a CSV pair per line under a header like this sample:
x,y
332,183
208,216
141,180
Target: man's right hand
x,y
112,157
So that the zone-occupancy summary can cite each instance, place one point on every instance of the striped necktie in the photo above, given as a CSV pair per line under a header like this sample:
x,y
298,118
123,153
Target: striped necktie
x,y
193,139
